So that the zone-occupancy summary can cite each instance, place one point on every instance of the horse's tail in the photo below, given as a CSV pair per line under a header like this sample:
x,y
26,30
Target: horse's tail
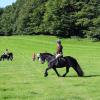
x,y
79,70
11,55
73,63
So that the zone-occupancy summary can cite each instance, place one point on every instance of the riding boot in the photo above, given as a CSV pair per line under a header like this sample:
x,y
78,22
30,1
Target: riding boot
x,y
57,61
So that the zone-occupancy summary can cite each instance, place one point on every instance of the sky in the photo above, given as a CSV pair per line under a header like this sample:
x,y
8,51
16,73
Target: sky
x,y
4,3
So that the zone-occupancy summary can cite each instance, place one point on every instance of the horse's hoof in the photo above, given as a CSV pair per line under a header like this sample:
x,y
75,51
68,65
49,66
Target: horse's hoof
x,y
59,75
45,75
63,75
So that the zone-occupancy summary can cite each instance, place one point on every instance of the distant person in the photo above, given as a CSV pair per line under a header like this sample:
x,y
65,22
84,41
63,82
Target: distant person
x,y
33,57
6,52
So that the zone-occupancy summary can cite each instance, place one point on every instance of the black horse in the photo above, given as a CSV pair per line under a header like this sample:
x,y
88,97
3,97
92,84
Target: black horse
x,y
66,61
8,56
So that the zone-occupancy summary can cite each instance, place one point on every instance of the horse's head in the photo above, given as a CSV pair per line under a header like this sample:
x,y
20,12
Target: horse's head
x,y
44,56
41,58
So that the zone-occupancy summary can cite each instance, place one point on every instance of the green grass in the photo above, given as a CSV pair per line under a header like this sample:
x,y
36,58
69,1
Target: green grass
x,y
23,79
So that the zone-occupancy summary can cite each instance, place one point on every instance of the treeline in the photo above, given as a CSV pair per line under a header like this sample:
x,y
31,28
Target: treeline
x,y
56,17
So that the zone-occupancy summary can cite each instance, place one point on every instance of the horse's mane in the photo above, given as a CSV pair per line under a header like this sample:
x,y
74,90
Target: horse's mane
x,y
48,54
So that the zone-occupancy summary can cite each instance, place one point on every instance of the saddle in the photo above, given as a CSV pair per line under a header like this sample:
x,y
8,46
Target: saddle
x,y
60,60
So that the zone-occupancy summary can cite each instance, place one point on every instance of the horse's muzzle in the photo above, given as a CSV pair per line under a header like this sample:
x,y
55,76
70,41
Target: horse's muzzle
x,y
42,62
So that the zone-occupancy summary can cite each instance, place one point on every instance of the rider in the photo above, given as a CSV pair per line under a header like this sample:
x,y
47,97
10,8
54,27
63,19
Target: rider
x,y
6,52
59,52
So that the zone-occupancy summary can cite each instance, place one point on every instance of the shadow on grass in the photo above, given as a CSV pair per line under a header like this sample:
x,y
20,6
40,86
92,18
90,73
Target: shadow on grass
x,y
86,76
34,92
6,89
15,97
92,76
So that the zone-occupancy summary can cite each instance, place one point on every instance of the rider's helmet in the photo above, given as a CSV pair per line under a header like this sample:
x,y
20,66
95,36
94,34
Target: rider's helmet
x,y
6,49
59,41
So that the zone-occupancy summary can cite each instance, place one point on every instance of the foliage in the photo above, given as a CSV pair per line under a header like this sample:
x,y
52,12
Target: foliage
x,y
55,17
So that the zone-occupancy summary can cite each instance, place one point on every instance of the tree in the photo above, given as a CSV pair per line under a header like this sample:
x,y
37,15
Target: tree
x,y
55,17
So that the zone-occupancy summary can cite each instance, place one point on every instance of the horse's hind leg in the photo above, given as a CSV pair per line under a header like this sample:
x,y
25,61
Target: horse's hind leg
x,y
56,72
67,70
11,58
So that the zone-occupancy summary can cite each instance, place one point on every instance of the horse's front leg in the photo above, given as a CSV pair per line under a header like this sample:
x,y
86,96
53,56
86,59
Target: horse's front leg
x,y
3,59
56,72
0,59
67,70
46,71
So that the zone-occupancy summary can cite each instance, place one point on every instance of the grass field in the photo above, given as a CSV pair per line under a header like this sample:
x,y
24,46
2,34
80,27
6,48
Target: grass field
x,y
23,79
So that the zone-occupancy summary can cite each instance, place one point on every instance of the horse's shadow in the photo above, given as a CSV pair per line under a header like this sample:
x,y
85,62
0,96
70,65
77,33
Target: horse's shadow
x,y
86,76
92,76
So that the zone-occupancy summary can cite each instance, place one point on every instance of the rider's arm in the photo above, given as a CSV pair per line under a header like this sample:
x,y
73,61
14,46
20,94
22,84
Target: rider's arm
x,y
58,50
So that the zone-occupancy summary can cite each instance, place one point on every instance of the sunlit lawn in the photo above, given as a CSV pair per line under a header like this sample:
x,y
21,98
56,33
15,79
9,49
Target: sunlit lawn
x,y
23,79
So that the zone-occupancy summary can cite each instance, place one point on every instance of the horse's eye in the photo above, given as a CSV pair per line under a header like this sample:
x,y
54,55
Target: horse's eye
x,y
37,57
